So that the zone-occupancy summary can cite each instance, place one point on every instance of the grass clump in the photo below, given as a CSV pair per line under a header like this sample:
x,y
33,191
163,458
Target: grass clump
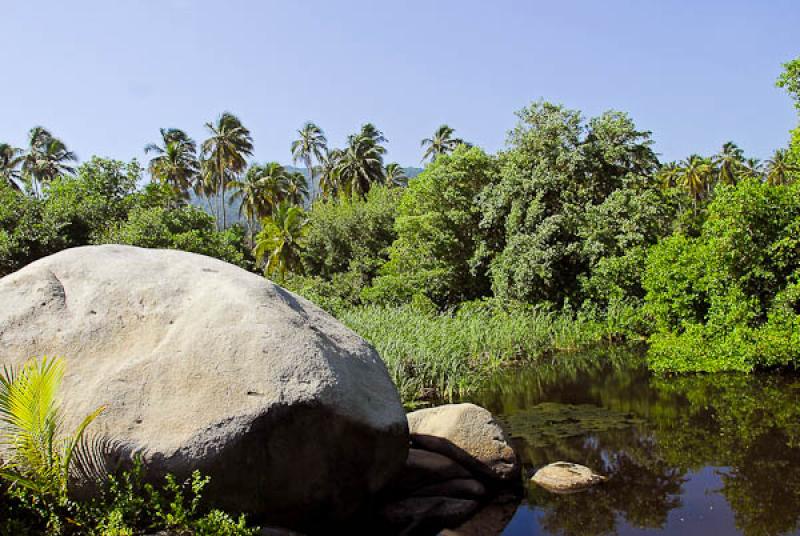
x,y
448,355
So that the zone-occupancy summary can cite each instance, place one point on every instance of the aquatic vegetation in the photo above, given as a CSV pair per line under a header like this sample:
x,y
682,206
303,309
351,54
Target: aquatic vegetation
x,y
449,355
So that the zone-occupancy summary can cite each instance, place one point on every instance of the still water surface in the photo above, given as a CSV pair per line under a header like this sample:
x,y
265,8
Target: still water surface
x,y
688,455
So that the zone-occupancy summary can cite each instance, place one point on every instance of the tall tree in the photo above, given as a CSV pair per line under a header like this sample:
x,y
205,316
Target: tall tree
x,y
780,169
47,157
308,147
696,176
175,162
230,142
361,162
249,190
328,177
282,239
729,162
10,159
441,143
669,175
395,175
296,188
261,190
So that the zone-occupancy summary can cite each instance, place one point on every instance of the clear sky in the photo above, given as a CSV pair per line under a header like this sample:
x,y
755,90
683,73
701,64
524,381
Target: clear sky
x,y
104,75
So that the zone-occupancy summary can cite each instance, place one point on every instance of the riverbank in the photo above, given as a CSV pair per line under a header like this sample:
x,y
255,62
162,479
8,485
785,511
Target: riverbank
x,y
447,355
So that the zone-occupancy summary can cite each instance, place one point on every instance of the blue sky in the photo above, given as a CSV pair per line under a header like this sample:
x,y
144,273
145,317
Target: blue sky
x,y
105,75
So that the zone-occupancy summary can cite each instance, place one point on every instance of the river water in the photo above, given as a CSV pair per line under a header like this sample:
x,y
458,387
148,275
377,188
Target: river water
x,y
688,455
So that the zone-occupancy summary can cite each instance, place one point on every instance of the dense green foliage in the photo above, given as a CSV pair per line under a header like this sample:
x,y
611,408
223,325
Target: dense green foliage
x,y
103,203
730,298
558,170
347,242
127,507
438,233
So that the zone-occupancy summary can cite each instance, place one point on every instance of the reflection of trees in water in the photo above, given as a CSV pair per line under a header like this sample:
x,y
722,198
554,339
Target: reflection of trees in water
x,y
750,424
646,433
641,487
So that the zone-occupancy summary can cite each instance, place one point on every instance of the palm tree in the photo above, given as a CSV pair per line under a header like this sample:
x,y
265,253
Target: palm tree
x,y
282,239
275,184
10,159
669,175
328,176
225,150
361,162
250,192
441,143
263,188
754,167
47,157
696,173
780,170
310,146
395,175
176,163
729,162
296,188
31,424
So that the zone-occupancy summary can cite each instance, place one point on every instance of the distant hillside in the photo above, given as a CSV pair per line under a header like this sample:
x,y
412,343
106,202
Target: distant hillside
x,y
233,206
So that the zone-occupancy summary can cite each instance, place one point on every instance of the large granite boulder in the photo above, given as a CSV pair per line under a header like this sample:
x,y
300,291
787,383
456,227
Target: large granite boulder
x,y
468,434
206,366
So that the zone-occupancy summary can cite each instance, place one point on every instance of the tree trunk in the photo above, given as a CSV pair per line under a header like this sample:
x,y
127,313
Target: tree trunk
x,y
222,186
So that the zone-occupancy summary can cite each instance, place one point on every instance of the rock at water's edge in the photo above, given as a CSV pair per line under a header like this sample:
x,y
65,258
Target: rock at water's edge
x,y
206,366
468,434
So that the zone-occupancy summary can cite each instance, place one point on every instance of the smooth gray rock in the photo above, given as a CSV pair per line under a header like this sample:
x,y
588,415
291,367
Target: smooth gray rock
x,y
206,366
468,434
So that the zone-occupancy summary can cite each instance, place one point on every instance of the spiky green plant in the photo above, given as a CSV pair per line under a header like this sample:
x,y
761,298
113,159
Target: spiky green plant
x,y
31,427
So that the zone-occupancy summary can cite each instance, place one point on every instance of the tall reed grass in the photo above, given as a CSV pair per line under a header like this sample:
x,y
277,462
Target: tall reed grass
x,y
449,354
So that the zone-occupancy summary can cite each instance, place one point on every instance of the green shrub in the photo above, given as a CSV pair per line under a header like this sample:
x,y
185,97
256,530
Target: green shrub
x,y
728,299
438,234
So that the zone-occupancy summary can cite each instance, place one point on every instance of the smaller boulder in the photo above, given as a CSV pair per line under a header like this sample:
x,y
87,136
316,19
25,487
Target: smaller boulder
x,y
491,520
468,434
566,477
463,488
424,468
427,514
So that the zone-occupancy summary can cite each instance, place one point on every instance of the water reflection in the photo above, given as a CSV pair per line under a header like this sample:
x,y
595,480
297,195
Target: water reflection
x,y
692,454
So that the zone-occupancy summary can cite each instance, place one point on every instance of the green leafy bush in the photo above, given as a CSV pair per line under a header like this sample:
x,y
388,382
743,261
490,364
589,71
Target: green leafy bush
x,y
438,234
347,242
729,299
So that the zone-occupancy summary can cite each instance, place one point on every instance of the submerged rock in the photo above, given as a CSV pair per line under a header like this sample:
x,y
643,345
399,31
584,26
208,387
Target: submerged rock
x,y
490,520
464,488
418,514
424,468
206,366
566,477
468,434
